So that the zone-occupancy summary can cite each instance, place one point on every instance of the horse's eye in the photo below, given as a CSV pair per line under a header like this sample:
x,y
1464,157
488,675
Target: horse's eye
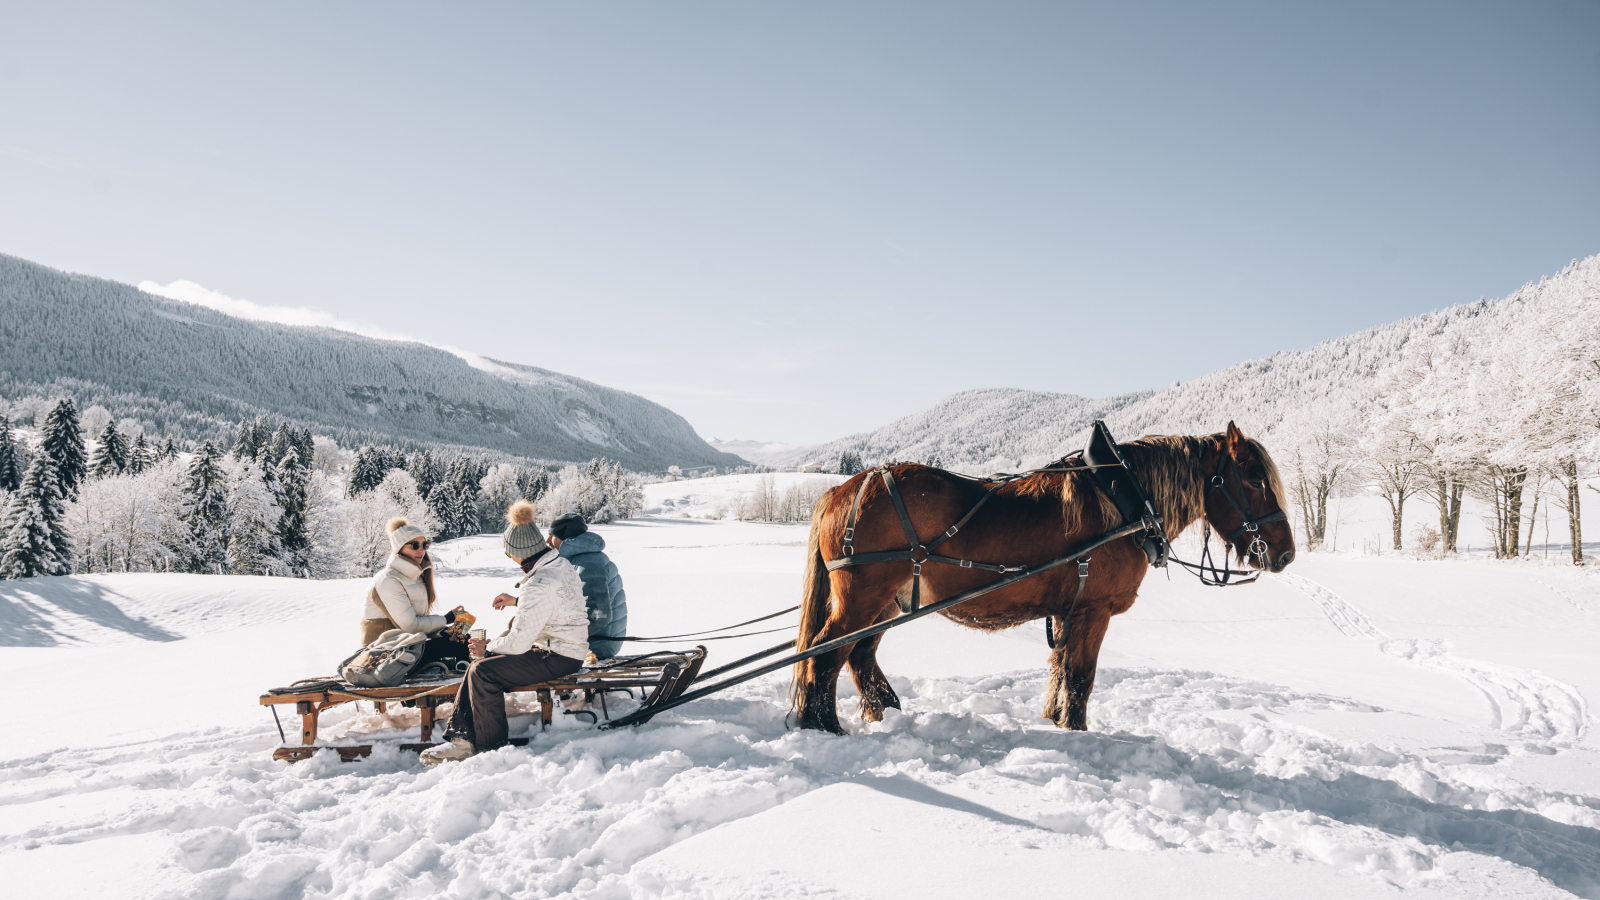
x,y
1255,485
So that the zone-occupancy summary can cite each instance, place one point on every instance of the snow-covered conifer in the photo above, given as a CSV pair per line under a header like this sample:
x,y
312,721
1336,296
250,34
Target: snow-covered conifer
x,y
366,472
533,483
425,468
111,456
253,546
291,482
34,539
445,504
10,464
203,509
139,456
63,443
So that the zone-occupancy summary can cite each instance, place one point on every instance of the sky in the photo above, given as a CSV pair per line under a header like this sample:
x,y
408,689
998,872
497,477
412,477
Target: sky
x,y
792,222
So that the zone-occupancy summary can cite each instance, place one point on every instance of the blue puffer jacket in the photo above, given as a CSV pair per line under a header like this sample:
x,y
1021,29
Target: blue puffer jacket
x,y
602,590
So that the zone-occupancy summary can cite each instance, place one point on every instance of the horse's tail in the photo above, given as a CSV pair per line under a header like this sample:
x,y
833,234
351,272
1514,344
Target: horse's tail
x,y
813,604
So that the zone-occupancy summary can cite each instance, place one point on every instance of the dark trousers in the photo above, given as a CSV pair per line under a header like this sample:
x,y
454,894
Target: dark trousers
x,y
480,714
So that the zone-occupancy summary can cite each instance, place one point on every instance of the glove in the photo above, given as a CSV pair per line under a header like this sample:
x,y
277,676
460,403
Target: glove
x,y
450,617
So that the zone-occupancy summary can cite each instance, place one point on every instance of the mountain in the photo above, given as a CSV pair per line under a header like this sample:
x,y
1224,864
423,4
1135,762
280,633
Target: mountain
x,y
188,371
766,453
997,428
987,430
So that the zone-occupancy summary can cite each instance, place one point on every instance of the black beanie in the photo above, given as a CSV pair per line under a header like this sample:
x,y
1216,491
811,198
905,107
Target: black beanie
x,y
568,526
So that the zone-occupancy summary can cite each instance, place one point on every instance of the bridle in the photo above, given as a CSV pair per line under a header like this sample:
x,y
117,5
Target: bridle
x,y
1206,569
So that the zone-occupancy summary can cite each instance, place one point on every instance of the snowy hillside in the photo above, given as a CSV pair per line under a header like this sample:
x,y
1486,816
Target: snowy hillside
x,y
766,453
991,427
1358,726
175,365
994,429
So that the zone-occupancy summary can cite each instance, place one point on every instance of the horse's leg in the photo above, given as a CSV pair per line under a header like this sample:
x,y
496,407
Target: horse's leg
x,y
876,694
1072,669
818,706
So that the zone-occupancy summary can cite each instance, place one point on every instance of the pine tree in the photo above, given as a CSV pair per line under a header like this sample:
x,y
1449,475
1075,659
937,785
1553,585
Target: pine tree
x,y
167,452
426,470
446,508
533,483
10,465
291,483
111,457
63,443
849,462
466,474
35,540
203,510
366,472
139,456
252,438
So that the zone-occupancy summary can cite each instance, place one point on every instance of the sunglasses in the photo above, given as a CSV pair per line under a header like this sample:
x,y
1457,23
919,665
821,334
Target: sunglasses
x,y
419,545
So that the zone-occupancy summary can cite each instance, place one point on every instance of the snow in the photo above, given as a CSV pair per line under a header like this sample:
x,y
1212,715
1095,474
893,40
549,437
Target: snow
x,y
1360,725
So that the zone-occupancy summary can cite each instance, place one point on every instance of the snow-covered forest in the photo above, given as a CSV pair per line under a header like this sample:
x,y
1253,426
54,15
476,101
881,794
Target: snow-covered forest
x,y
278,501
187,372
1494,401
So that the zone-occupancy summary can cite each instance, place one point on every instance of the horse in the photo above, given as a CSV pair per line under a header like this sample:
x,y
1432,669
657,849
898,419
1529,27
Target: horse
x,y
1033,519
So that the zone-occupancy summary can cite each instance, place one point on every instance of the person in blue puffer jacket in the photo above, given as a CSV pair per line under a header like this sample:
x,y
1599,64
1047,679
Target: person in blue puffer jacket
x,y
602,584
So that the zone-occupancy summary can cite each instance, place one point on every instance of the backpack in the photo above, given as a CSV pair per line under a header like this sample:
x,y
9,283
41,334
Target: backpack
x,y
385,662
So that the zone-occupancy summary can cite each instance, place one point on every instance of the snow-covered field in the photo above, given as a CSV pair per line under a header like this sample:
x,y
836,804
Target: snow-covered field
x,y
1358,726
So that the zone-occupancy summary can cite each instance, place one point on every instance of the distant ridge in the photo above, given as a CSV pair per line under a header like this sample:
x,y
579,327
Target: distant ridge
x,y
176,365
987,430
996,428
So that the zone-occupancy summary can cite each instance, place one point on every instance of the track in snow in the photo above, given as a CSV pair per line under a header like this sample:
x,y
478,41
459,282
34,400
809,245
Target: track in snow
x,y
1534,707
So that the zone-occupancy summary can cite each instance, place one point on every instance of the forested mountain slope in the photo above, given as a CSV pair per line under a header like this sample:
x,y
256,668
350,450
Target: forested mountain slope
x,y
997,426
170,363
1281,393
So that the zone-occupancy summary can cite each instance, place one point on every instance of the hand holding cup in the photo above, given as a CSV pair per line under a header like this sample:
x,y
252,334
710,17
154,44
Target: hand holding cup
x,y
477,644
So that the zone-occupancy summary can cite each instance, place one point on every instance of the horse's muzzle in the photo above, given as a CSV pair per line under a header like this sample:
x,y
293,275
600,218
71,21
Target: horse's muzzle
x,y
1283,561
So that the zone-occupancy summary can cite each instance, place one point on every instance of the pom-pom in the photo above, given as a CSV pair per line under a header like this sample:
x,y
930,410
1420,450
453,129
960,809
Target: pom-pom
x,y
396,522
520,513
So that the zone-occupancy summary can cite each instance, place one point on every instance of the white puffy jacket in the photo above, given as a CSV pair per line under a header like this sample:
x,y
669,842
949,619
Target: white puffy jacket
x,y
398,594
551,614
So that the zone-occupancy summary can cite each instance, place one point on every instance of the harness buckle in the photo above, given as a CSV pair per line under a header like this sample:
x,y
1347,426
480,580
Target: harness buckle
x,y
966,564
953,529
1083,568
1252,527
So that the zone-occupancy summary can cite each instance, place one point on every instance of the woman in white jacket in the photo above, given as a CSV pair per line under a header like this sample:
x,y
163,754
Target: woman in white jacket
x,y
548,639
401,596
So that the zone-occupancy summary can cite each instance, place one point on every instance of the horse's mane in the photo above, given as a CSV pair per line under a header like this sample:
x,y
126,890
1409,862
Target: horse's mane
x,y
1168,467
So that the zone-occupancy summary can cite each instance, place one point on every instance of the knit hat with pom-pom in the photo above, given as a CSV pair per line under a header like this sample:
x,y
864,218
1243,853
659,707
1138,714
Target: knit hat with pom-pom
x,y
402,532
521,538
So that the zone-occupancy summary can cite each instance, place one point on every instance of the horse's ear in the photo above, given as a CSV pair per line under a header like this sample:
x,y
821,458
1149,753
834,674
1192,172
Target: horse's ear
x,y
1238,447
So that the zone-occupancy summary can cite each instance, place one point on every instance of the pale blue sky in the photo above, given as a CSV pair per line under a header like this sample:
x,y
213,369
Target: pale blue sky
x,y
794,221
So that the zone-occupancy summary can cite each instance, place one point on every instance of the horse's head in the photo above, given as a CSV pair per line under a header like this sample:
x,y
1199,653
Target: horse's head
x,y
1244,502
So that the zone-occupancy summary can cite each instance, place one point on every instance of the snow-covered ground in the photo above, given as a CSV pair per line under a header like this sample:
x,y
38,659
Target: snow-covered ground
x,y
1358,725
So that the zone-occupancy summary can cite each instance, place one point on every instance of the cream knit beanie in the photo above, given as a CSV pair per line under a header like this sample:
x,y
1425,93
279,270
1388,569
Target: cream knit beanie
x,y
521,538
402,532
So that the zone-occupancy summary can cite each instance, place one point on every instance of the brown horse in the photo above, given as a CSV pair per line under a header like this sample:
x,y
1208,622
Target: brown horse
x,y
1031,520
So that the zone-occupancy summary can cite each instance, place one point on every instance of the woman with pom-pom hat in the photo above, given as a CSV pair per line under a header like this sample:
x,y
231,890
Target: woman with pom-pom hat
x,y
548,638
402,595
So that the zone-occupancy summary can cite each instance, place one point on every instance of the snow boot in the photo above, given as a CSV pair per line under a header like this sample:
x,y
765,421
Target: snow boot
x,y
457,748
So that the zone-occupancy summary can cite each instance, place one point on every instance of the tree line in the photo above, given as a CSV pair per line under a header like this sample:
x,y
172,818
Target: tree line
x,y
266,505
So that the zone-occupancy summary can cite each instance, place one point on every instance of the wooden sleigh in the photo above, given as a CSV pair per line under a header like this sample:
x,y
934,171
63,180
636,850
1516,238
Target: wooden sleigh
x,y
660,677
